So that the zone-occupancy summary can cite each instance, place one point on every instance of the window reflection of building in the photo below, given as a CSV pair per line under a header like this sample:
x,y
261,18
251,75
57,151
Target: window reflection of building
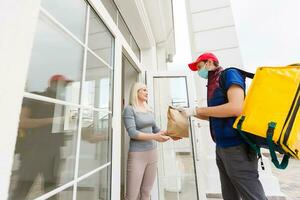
x,y
120,22
64,46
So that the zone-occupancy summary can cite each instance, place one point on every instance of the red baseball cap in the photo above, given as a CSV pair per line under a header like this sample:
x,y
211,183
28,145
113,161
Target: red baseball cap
x,y
59,77
203,57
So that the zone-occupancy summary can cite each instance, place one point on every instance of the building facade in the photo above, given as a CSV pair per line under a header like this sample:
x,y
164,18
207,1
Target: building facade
x,y
89,49
67,70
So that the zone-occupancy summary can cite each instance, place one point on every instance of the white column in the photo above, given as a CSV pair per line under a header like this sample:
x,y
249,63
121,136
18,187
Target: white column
x,y
212,28
161,58
18,21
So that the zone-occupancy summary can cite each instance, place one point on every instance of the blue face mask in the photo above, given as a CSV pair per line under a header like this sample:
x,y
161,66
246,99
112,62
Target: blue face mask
x,y
203,73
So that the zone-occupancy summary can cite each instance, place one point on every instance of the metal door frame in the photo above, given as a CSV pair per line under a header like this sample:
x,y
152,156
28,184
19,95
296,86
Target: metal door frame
x,y
191,97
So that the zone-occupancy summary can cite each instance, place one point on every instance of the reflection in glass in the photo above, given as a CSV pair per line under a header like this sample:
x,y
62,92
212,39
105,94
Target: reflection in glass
x,y
55,53
176,172
97,86
95,140
116,16
66,194
124,29
100,39
45,148
70,13
95,187
111,8
135,48
178,91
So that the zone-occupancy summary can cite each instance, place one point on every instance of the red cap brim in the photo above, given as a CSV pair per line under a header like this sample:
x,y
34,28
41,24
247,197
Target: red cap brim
x,y
193,66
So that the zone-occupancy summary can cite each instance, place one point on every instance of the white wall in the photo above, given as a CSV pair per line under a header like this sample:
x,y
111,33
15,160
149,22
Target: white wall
x,y
18,20
18,23
212,29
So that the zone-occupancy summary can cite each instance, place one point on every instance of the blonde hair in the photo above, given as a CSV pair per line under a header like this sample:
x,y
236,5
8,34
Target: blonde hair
x,y
134,96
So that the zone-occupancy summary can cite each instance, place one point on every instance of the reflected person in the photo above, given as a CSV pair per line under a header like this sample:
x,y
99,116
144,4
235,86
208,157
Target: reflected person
x,y
38,142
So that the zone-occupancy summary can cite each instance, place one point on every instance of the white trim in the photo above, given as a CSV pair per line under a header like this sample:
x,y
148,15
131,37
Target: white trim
x,y
61,102
116,124
110,24
191,100
99,58
81,110
48,99
52,19
77,155
55,191
93,172
71,183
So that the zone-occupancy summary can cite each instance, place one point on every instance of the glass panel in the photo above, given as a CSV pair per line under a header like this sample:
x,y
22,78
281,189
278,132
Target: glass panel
x,y
178,91
70,13
97,86
100,39
95,187
66,194
135,48
111,8
124,29
45,149
176,170
95,140
56,63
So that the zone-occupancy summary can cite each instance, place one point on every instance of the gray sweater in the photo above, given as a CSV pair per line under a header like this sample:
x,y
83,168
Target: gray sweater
x,y
136,122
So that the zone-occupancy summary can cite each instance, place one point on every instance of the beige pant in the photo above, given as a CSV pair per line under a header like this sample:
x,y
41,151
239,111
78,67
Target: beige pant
x,y
141,174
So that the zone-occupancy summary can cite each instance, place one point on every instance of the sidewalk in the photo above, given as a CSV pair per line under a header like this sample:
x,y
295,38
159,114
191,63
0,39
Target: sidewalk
x,y
289,179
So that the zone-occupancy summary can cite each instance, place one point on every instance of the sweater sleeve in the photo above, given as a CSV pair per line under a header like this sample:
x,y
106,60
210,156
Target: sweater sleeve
x,y
155,128
129,121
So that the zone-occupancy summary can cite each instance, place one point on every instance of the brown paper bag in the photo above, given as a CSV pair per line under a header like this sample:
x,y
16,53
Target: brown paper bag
x,y
178,124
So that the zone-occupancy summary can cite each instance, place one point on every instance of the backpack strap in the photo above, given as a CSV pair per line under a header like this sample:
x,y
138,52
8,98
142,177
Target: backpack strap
x,y
223,76
252,145
295,64
285,160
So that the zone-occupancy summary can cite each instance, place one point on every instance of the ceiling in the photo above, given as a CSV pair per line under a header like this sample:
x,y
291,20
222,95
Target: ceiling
x,y
150,22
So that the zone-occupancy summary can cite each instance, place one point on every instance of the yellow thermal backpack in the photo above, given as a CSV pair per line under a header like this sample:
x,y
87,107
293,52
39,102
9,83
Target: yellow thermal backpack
x,y
271,116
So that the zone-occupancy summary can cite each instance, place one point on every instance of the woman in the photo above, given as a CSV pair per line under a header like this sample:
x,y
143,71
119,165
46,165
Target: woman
x,y
143,132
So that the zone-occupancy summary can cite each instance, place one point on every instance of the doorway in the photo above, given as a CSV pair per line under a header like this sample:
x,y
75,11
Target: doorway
x,y
130,75
177,171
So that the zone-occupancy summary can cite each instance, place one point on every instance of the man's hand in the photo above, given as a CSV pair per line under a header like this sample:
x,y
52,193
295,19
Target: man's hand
x,y
188,111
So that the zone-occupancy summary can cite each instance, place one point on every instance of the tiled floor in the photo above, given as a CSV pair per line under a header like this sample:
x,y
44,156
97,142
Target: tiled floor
x,y
289,179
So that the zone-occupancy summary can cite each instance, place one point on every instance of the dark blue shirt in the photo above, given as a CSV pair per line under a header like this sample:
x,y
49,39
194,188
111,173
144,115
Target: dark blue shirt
x,y
221,129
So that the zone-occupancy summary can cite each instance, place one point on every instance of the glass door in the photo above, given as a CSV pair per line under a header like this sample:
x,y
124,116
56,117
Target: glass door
x,y
177,173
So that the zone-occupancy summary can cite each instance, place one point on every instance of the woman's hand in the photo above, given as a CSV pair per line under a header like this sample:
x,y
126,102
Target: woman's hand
x,y
161,137
176,138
